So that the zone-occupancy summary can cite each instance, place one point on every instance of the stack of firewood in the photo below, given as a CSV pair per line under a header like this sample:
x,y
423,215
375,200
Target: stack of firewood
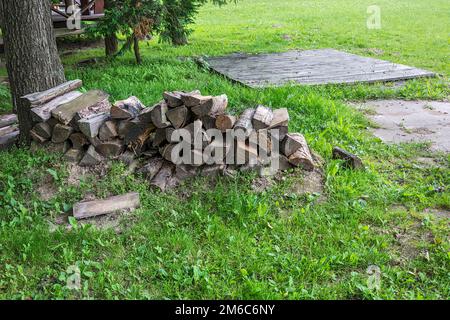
x,y
89,130
9,130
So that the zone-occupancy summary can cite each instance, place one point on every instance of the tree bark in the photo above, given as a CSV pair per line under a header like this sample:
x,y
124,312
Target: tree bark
x,y
137,52
111,42
32,59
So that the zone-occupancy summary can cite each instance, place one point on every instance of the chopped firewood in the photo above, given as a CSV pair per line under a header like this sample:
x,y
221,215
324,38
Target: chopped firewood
x,y
78,140
302,155
245,121
108,131
74,155
197,133
280,133
169,134
61,133
62,147
45,96
196,158
262,118
137,129
193,98
225,122
209,122
43,129
126,109
82,106
87,209
43,112
110,149
123,127
90,125
159,115
151,168
173,99
245,153
145,116
9,140
95,141
185,171
168,154
37,137
160,137
264,142
162,178
212,106
9,129
178,116
350,159
91,157
291,143
7,120
280,118
138,143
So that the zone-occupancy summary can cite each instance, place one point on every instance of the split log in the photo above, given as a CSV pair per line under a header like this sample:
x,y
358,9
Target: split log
x,y
193,98
127,157
87,209
7,120
8,139
37,137
47,95
93,101
90,125
160,137
158,115
245,121
145,116
151,168
301,155
74,155
43,129
166,153
61,133
78,140
225,122
262,118
291,143
173,99
178,116
110,149
62,147
137,130
164,175
350,159
123,127
280,118
281,133
185,171
91,157
139,143
126,109
43,112
8,129
108,131
245,153
212,106
209,122
169,134
197,133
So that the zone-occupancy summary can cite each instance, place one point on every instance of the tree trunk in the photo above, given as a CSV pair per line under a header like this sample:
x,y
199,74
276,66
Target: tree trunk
x,y
32,59
137,53
111,43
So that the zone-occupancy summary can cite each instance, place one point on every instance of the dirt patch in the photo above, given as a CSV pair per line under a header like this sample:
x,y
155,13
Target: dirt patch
x,y
411,121
78,173
46,188
312,183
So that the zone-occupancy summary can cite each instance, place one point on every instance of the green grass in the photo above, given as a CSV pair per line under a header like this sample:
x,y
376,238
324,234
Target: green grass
x,y
222,239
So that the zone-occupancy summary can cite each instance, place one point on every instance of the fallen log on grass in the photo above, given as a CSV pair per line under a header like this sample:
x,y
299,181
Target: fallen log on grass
x,y
87,209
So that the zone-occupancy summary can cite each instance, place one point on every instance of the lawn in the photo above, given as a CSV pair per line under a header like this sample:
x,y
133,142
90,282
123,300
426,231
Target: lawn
x,y
224,239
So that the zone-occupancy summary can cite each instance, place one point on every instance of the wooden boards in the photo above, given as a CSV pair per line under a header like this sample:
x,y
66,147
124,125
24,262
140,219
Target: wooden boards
x,y
310,67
